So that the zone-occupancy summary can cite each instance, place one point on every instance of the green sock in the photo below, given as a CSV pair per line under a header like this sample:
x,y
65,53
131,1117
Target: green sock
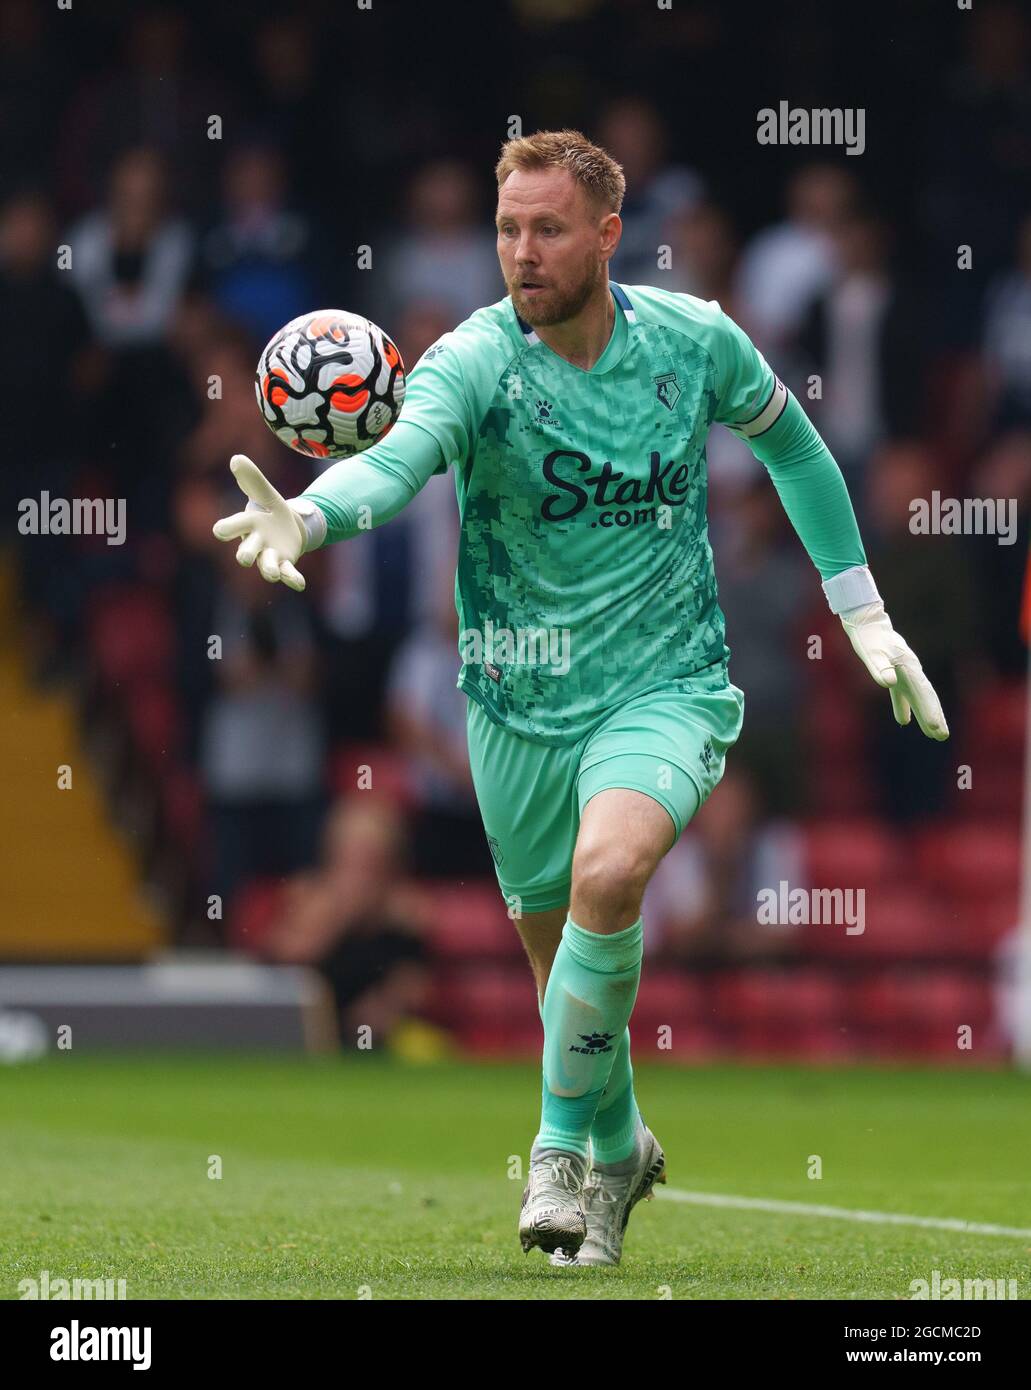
x,y
587,1005
614,1131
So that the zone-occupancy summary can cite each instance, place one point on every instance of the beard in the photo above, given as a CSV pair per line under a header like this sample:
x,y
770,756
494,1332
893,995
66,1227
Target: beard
x,y
557,304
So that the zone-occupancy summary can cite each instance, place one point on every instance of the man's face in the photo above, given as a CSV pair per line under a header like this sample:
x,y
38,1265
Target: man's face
x,y
553,244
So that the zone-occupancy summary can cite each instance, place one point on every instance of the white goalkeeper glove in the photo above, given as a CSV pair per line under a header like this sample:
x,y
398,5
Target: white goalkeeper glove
x,y
853,596
273,530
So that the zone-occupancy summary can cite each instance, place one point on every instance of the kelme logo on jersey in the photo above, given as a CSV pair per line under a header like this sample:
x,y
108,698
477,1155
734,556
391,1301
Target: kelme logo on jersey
x,y
667,485
594,1043
667,390
544,414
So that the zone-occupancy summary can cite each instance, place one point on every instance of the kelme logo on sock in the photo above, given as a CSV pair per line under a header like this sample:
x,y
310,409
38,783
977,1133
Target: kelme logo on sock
x,y
595,1043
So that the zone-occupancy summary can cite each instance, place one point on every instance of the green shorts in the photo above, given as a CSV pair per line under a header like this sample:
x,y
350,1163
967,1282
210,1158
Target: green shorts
x,y
671,745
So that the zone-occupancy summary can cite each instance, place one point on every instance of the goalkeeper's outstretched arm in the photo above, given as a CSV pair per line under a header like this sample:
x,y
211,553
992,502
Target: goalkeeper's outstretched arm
x,y
351,496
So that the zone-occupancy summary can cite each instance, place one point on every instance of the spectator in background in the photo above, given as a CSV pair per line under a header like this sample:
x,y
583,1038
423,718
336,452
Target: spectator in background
x,y
1007,340
131,259
356,920
704,249
56,363
702,902
971,183
927,587
154,95
51,379
426,716
31,64
259,262
444,257
766,586
784,267
287,95
866,337
657,195
262,744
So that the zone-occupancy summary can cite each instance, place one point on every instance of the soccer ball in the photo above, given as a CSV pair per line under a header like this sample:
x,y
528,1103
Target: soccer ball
x,y
330,383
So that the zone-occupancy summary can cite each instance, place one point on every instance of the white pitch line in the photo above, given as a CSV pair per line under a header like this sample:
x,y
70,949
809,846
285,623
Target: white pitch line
x,y
887,1218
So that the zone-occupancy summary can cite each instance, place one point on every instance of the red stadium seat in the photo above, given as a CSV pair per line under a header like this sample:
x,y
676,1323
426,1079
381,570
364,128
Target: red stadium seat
x,y
129,632
182,805
492,1008
835,721
970,859
784,998
854,852
997,718
896,920
979,924
921,1011
252,913
996,790
469,920
842,789
154,721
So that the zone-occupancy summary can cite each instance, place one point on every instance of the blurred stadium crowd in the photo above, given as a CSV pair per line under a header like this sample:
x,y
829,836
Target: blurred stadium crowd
x,y
132,377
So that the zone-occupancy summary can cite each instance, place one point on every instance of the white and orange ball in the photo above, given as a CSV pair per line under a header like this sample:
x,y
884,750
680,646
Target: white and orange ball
x,y
330,383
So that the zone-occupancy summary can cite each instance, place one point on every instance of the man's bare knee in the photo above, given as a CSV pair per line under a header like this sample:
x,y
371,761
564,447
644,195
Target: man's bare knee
x,y
612,877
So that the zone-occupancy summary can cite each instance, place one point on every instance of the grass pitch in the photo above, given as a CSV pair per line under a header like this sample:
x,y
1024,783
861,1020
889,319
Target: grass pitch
x,y
364,1177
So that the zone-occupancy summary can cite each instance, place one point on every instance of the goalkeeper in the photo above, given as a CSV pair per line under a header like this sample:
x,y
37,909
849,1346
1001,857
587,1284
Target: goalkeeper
x,y
575,413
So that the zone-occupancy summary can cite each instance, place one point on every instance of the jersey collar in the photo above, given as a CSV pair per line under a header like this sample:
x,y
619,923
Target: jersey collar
x,y
622,301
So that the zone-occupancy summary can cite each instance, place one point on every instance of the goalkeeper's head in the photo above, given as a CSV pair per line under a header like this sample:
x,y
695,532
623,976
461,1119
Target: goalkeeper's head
x,y
558,222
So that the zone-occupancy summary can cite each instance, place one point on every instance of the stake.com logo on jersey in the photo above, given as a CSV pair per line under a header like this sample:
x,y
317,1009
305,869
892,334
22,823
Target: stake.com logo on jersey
x,y
666,486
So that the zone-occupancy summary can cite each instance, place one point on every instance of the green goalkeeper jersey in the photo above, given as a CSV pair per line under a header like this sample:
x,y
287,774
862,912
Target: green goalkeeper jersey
x,y
585,575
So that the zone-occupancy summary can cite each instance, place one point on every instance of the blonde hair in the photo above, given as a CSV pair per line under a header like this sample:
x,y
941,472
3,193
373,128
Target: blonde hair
x,y
597,173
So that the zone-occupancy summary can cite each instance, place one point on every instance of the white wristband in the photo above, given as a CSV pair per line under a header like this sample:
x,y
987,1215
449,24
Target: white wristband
x,y
851,589
313,520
